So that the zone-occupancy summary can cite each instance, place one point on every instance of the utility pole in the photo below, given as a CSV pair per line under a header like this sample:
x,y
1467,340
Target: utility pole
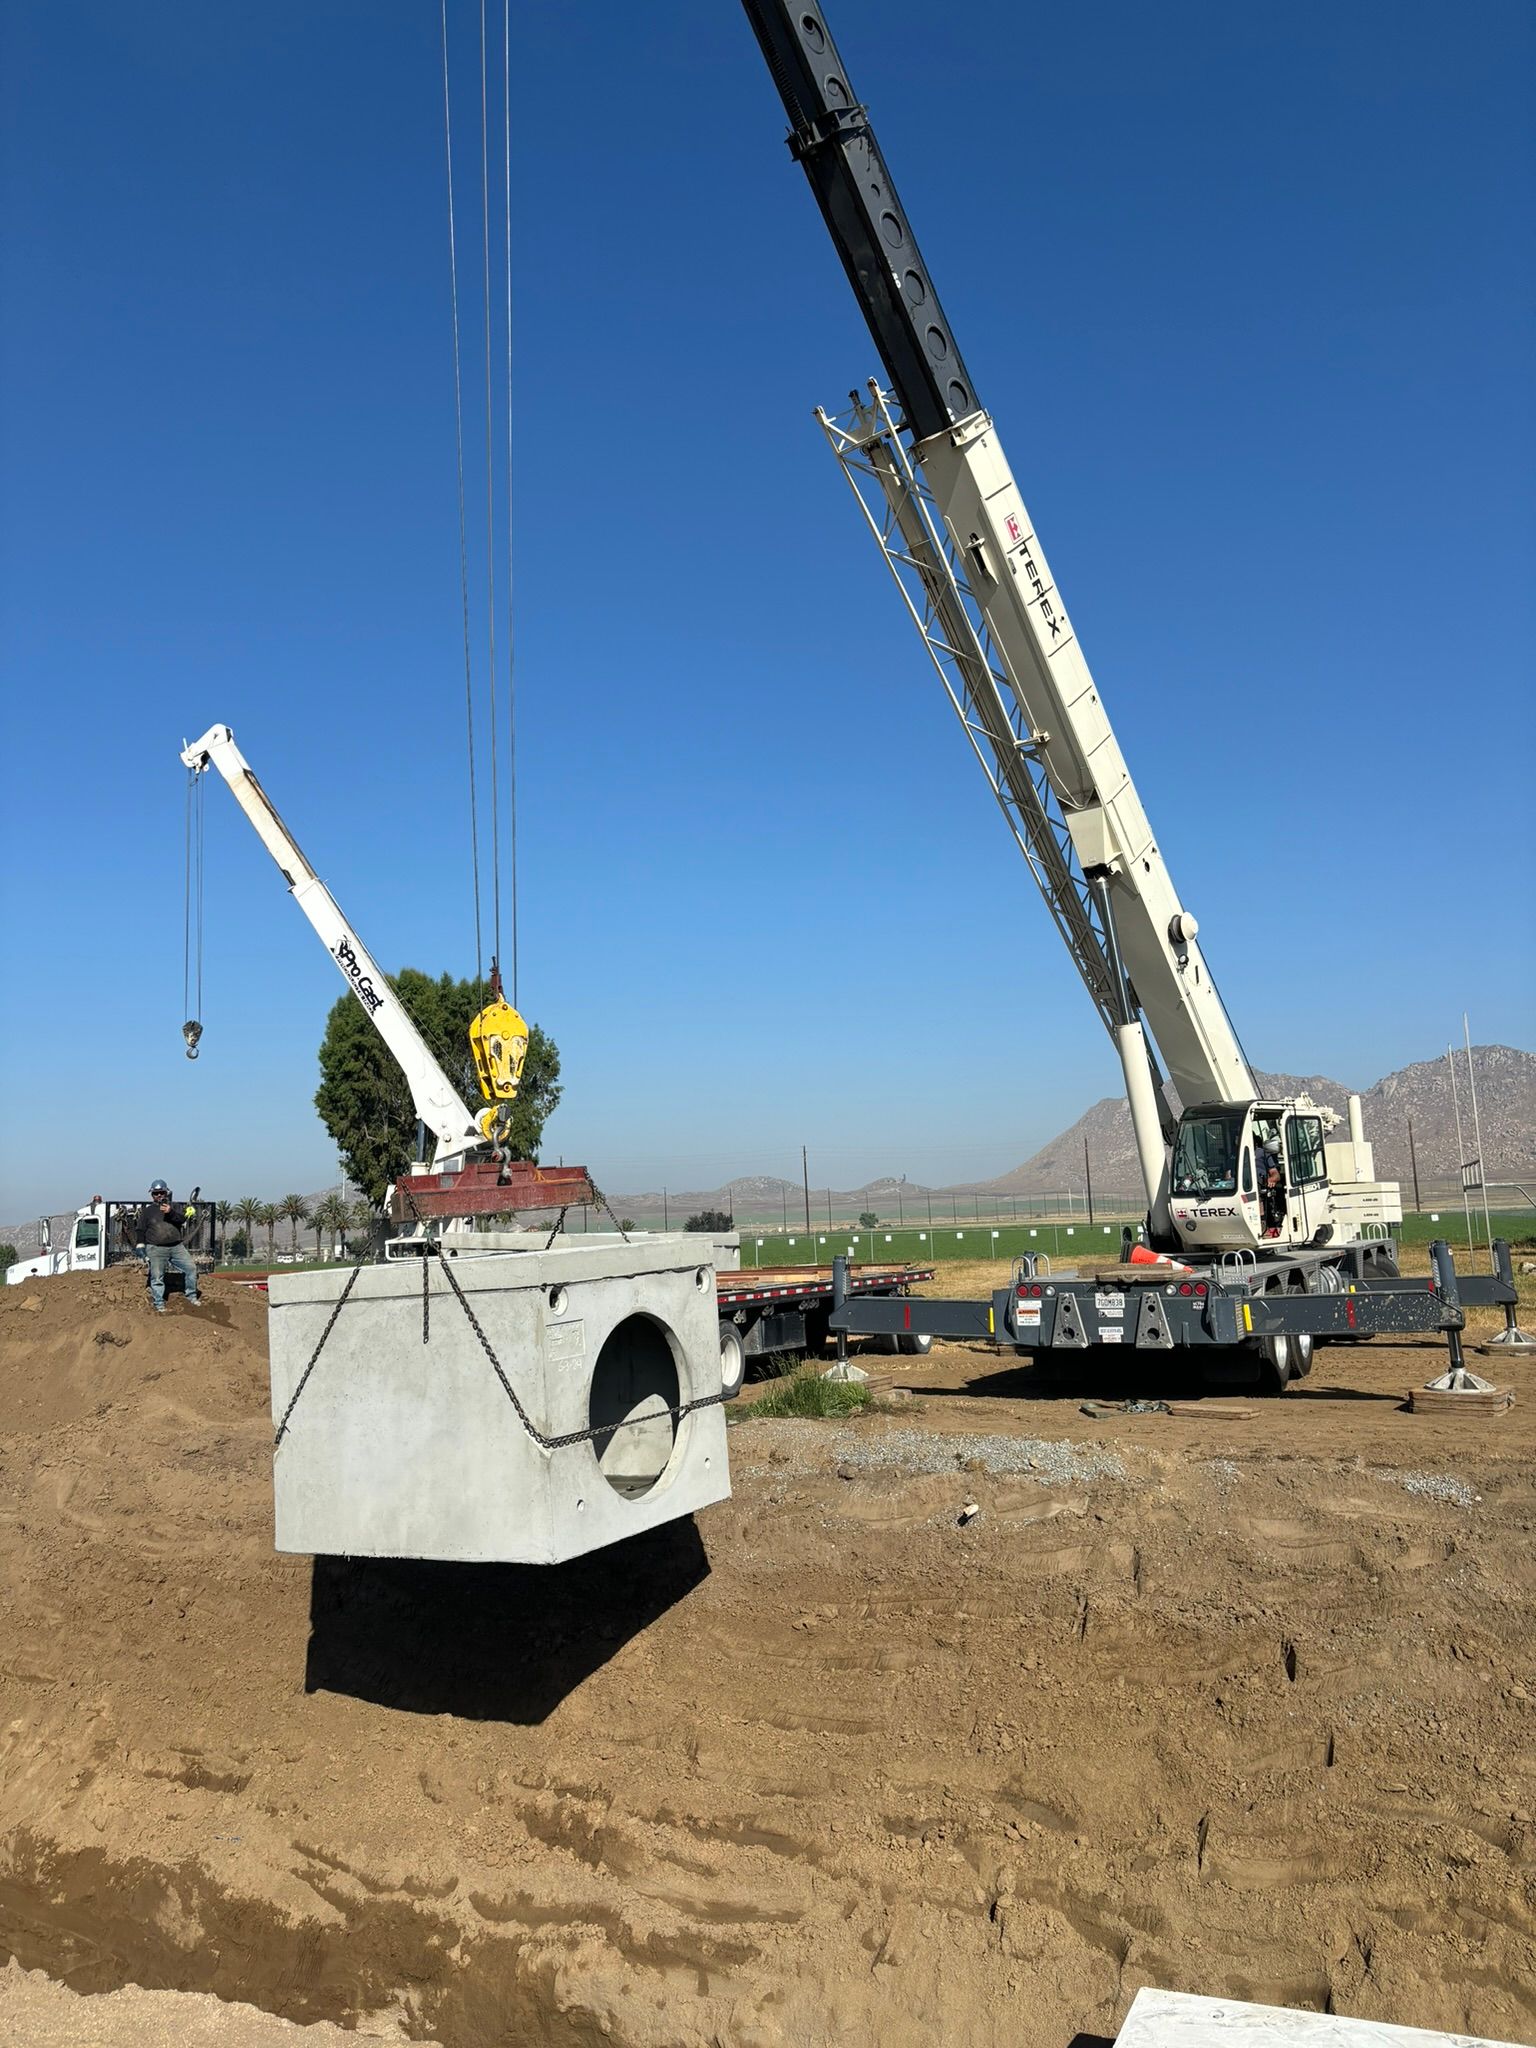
x,y
1477,1132
1413,1161
1461,1159
1088,1180
805,1176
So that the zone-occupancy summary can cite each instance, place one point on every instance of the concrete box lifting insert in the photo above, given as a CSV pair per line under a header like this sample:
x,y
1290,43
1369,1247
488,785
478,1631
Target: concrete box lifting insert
x,y
404,1448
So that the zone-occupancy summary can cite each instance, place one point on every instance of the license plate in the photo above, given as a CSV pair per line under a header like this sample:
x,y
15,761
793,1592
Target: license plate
x,y
1109,1304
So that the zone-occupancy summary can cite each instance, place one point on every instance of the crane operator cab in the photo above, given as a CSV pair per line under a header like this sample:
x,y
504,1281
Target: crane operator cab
x,y
1252,1174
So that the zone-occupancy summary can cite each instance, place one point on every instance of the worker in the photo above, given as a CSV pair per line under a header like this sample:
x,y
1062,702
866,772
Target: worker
x,y
160,1229
1272,1200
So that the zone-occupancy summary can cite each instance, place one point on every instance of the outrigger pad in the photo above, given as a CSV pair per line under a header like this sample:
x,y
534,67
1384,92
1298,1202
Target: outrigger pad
x,y
1182,2019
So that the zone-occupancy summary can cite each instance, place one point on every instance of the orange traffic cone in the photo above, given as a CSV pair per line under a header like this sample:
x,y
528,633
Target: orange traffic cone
x,y
1140,1256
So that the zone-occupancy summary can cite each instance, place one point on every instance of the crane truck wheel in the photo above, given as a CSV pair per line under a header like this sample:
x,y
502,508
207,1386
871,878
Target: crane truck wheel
x,y
1301,1343
733,1359
914,1344
1274,1361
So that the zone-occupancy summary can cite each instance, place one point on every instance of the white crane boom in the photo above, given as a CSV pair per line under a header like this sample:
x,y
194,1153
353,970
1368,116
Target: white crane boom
x,y
438,1105
954,521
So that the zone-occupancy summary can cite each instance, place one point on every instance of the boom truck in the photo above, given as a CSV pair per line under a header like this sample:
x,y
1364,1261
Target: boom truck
x,y
1219,1267
470,1173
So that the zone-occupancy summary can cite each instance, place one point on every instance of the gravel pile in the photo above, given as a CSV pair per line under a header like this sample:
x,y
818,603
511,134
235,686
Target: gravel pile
x,y
913,1450
1434,1486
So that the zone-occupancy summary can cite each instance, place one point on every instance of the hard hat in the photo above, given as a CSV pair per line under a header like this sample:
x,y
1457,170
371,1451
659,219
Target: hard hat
x,y
159,1187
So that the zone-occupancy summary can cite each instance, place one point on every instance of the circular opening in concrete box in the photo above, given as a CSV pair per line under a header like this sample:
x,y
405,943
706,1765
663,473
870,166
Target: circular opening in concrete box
x,y
634,1384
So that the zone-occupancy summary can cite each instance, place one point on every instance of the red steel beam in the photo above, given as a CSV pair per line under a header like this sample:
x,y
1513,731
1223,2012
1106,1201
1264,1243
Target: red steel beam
x,y
485,1189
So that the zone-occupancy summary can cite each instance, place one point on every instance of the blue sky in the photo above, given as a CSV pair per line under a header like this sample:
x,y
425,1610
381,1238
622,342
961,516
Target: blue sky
x,y
1249,293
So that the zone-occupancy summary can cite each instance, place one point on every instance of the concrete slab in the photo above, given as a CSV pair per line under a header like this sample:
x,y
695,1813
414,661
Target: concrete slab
x,y
1181,2019
404,1442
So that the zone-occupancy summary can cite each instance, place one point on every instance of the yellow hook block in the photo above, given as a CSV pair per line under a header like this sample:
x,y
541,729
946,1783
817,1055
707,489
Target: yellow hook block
x,y
498,1042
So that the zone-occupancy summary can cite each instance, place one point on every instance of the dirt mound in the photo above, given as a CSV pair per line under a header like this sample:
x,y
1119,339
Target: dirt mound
x,y
1239,1707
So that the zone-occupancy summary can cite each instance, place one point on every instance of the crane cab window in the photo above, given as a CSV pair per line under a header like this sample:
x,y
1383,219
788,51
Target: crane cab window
x,y
87,1232
1305,1146
1205,1153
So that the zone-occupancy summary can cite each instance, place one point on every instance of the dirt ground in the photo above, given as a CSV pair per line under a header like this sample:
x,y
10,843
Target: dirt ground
x,y
1239,1705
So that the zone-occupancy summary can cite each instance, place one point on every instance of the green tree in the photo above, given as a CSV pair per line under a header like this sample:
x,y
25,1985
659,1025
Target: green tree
x,y
868,1219
294,1210
710,1219
363,1100
267,1216
8,1257
248,1211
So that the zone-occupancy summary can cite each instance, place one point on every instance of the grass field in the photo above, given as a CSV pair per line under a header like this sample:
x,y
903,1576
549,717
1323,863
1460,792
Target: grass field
x,y
943,1244
920,1246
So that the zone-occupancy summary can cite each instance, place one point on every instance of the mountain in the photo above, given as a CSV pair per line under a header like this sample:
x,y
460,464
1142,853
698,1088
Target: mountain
x,y
1506,1096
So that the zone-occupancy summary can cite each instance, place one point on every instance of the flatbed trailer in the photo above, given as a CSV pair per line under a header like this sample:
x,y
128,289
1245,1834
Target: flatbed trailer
x,y
1260,1316
773,1310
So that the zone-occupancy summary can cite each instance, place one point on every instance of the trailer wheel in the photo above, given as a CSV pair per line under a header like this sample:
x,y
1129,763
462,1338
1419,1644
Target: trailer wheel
x,y
913,1344
733,1359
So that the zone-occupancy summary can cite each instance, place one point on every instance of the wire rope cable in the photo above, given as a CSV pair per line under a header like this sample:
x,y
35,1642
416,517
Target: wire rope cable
x,y
506,101
458,420
490,489
192,902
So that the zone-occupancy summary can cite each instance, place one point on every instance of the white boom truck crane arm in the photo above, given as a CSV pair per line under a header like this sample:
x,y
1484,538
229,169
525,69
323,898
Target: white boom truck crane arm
x,y
455,1130
942,501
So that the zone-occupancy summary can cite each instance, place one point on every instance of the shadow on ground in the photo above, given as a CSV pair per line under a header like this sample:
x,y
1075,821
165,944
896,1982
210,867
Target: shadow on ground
x,y
491,1642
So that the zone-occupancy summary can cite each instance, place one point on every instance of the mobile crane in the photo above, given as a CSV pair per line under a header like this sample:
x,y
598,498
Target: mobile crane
x,y
928,470
470,1172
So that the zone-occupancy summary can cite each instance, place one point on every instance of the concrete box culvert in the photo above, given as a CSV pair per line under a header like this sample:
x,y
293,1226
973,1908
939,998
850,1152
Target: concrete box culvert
x,y
404,1442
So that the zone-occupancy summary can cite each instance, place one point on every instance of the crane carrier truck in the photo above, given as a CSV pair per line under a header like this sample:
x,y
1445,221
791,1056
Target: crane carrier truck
x,y
1222,1267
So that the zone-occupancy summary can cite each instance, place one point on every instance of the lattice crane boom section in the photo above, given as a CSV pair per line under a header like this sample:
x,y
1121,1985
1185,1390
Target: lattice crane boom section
x,y
957,539
908,529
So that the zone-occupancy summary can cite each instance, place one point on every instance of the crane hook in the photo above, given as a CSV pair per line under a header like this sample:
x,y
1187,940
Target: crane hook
x,y
191,1031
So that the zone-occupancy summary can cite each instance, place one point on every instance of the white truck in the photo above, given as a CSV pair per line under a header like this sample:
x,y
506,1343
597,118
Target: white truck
x,y
105,1233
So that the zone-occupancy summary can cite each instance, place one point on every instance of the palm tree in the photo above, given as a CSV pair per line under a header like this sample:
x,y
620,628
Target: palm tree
x,y
248,1210
361,1218
267,1216
295,1210
330,1215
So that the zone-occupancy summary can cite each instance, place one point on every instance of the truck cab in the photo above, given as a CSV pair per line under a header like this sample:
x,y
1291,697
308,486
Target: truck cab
x,y
1222,1154
84,1250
